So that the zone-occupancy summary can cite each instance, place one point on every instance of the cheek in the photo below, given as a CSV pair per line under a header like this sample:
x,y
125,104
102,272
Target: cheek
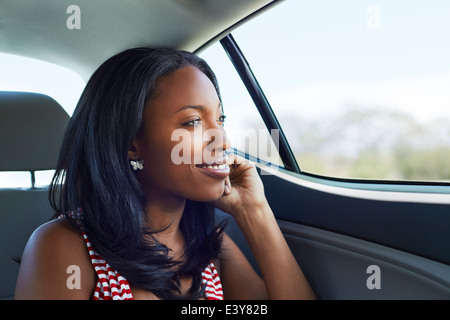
x,y
170,166
188,146
158,165
185,181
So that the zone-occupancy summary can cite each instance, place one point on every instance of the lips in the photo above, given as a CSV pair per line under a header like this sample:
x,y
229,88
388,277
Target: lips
x,y
217,171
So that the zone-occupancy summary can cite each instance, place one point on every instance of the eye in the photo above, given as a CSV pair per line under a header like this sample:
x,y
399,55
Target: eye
x,y
193,123
222,118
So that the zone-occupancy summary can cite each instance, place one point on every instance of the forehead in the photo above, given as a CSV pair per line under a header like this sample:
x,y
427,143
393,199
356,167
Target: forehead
x,y
183,87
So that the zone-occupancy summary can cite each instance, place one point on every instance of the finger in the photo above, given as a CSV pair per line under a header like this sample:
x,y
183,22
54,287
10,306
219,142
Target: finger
x,y
234,160
227,186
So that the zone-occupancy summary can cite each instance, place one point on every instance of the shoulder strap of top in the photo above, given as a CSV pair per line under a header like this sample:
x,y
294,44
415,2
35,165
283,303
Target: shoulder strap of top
x,y
213,288
110,284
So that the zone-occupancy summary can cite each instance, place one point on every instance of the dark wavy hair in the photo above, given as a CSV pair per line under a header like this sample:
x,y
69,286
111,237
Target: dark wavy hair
x,y
93,173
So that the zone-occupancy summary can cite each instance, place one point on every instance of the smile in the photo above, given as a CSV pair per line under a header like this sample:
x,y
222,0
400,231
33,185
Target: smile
x,y
215,167
217,171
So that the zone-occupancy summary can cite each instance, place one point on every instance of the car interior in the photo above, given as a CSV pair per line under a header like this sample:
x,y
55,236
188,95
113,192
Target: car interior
x,y
354,239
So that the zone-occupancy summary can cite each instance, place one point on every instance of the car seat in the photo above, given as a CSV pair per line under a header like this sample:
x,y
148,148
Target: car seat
x,y
31,130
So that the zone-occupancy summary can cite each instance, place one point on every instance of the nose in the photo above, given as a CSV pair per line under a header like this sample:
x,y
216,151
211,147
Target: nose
x,y
217,141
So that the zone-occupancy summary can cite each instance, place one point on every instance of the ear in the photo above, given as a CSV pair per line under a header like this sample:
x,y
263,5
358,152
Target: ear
x,y
133,152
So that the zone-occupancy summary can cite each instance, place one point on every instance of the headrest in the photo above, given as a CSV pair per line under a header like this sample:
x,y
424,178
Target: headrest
x,y
32,126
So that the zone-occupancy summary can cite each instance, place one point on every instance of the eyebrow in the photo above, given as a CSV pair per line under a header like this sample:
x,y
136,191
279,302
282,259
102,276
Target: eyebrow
x,y
198,107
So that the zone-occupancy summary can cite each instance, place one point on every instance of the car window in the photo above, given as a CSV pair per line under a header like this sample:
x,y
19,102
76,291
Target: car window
x,y
15,179
361,89
244,126
30,75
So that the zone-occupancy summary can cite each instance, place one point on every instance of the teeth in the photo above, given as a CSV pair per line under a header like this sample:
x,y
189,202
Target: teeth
x,y
215,167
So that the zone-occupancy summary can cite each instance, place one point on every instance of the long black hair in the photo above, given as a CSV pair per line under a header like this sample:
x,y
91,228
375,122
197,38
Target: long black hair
x,y
93,173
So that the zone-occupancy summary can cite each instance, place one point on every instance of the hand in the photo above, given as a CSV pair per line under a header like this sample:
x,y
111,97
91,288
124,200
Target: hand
x,y
244,190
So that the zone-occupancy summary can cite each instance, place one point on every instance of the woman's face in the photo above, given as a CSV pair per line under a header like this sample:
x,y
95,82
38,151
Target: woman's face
x,y
183,134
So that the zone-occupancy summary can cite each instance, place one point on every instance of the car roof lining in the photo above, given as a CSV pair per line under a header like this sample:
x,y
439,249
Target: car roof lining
x,y
37,29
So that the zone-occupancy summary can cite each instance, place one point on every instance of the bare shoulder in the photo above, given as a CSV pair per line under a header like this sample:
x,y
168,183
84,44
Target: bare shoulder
x,y
57,238
54,251
59,229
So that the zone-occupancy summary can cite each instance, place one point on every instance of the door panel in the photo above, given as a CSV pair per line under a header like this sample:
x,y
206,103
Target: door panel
x,y
342,267
410,221
350,241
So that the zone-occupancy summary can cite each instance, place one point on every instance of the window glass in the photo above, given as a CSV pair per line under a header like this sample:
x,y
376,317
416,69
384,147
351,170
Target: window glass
x,y
43,178
31,75
22,179
244,125
360,88
15,179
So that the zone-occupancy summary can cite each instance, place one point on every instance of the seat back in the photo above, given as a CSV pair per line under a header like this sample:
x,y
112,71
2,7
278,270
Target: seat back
x,y
31,130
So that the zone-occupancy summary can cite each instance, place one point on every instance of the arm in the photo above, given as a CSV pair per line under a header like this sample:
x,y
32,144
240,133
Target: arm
x,y
44,270
282,276
244,284
283,279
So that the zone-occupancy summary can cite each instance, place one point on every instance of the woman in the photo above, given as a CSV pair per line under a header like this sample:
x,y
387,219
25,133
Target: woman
x,y
135,223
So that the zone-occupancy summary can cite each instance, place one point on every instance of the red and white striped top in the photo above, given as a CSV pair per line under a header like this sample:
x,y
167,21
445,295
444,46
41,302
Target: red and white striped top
x,y
113,286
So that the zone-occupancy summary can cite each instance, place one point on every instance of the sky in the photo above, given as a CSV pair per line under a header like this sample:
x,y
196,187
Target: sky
x,y
319,55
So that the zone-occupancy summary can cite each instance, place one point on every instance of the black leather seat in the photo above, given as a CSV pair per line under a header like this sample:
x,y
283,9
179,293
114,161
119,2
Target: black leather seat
x,y
31,129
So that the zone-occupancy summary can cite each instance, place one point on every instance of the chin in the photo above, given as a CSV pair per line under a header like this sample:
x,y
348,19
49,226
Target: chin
x,y
208,194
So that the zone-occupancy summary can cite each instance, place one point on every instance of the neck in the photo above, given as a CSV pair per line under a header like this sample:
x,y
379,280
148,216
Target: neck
x,y
165,212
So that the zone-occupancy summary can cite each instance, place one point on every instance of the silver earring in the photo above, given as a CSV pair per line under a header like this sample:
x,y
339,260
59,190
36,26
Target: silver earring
x,y
138,164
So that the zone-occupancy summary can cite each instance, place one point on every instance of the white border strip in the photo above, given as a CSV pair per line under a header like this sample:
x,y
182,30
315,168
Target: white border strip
x,y
392,196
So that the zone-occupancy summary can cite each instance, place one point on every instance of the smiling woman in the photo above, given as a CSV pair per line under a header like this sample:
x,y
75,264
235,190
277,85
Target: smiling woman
x,y
150,233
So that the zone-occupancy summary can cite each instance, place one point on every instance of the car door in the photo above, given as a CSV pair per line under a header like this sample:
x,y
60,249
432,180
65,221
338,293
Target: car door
x,y
378,228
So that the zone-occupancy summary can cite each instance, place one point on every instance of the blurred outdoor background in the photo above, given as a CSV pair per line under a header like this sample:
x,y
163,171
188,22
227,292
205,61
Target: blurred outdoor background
x,y
361,88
